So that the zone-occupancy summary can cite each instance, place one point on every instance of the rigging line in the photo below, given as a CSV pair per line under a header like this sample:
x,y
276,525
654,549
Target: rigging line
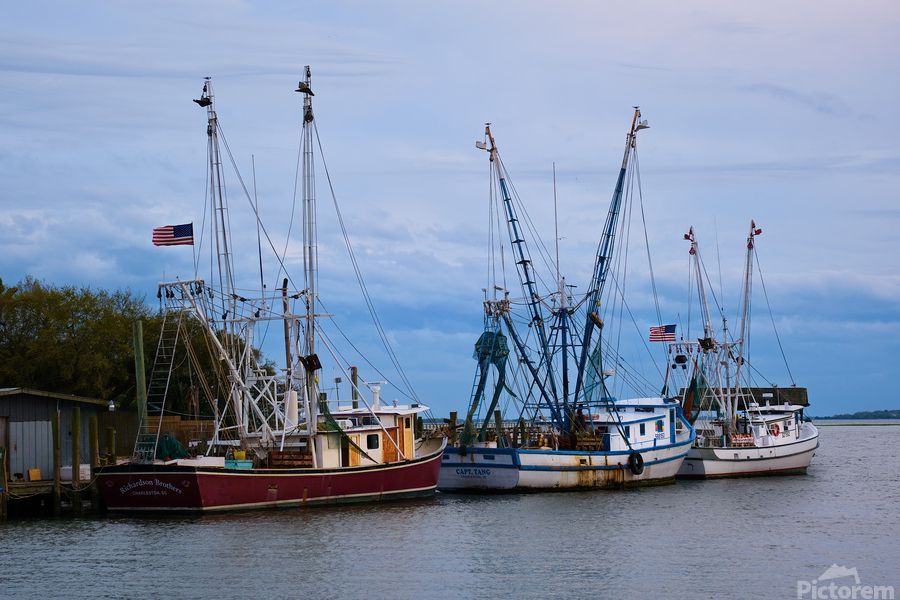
x,y
250,200
636,326
359,278
529,224
262,287
555,221
718,305
719,259
338,358
626,248
500,240
772,317
361,355
690,297
203,220
637,169
492,261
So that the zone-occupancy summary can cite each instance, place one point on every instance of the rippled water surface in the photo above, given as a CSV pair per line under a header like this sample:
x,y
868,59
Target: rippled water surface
x,y
730,538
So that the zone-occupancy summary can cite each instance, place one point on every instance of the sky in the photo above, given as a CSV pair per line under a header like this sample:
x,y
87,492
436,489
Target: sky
x,y
780,112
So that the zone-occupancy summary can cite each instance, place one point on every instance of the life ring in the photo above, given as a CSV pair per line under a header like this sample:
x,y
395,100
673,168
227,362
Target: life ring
x,y
774,429
635,463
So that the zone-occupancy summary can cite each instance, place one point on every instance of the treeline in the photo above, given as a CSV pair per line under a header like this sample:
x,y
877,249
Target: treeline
x,y
867,414
78,340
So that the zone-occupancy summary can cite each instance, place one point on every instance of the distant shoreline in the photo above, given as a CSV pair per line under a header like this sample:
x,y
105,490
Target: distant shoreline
x,y
857,424
863,415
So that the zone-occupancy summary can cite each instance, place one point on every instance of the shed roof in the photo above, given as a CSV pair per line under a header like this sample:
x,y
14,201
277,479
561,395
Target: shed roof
x,y
17,391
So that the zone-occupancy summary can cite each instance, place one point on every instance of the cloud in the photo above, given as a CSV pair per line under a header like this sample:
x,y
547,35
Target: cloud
x,y
821,102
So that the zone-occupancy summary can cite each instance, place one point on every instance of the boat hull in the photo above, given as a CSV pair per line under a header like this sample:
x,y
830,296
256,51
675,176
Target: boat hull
x,y
151,488
517,469
787,459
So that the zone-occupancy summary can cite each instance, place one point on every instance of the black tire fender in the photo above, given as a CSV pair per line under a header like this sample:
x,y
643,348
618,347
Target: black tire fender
x,y
635,463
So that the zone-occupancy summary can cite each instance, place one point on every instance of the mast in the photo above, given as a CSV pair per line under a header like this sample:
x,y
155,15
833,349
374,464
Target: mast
x,y
310,261
701,289
219,208
745,302
223,310
605,251
523,267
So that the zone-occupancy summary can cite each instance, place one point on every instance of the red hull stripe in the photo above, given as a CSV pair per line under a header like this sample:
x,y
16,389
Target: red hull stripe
x,y
137,488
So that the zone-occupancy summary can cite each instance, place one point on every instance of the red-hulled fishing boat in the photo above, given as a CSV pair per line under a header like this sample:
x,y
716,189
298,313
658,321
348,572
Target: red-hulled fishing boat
x,y
277,440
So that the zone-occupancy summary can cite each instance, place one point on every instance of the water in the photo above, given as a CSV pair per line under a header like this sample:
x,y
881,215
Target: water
x,y
730,538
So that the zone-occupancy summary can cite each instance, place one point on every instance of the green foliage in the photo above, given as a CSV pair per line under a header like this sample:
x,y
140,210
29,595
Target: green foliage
x,y
77,340
68,339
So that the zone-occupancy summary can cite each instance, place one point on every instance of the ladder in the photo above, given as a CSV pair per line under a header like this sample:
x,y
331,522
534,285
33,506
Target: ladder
x,y
160,377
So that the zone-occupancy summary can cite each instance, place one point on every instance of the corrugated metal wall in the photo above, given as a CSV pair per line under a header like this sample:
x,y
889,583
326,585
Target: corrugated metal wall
x,y
31,445
30,440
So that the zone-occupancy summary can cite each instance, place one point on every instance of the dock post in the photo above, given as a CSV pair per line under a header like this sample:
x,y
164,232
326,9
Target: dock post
x,y
453,416
140,376
57,459
110,445
354,390
76,460
523,436
4,486
498,425
95,460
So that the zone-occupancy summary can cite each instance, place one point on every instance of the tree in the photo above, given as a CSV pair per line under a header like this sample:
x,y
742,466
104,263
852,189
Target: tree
x,y
77,340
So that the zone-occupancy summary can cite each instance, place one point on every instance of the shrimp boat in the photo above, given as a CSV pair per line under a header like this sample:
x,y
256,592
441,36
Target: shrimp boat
x,y
742,430
562,427
278,440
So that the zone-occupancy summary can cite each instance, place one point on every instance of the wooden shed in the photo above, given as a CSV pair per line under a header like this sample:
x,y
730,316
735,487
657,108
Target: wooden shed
x,y
26,429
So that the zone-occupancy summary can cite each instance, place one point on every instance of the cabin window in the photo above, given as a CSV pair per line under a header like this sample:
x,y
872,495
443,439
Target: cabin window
x,y
643,428
408,423
627,431
333,442
372,441
489,457
659,426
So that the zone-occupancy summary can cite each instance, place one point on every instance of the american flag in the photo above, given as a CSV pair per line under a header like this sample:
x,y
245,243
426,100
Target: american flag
x,y
663,333
174,235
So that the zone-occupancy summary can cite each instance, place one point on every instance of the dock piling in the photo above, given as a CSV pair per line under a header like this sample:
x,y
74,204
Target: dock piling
x,y
453,417
76,460
4,485
110,445
95,460
57,459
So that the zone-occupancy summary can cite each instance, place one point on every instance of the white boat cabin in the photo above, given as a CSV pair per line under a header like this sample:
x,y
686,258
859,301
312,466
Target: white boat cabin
x,y
760,426
638,423
365,438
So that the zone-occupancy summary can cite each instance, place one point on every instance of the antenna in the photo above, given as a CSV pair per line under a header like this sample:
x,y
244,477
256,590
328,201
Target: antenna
x,y
555,221
262,285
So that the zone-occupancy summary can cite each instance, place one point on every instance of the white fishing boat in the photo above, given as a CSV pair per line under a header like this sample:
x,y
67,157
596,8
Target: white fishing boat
x,y
565,428
742,429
